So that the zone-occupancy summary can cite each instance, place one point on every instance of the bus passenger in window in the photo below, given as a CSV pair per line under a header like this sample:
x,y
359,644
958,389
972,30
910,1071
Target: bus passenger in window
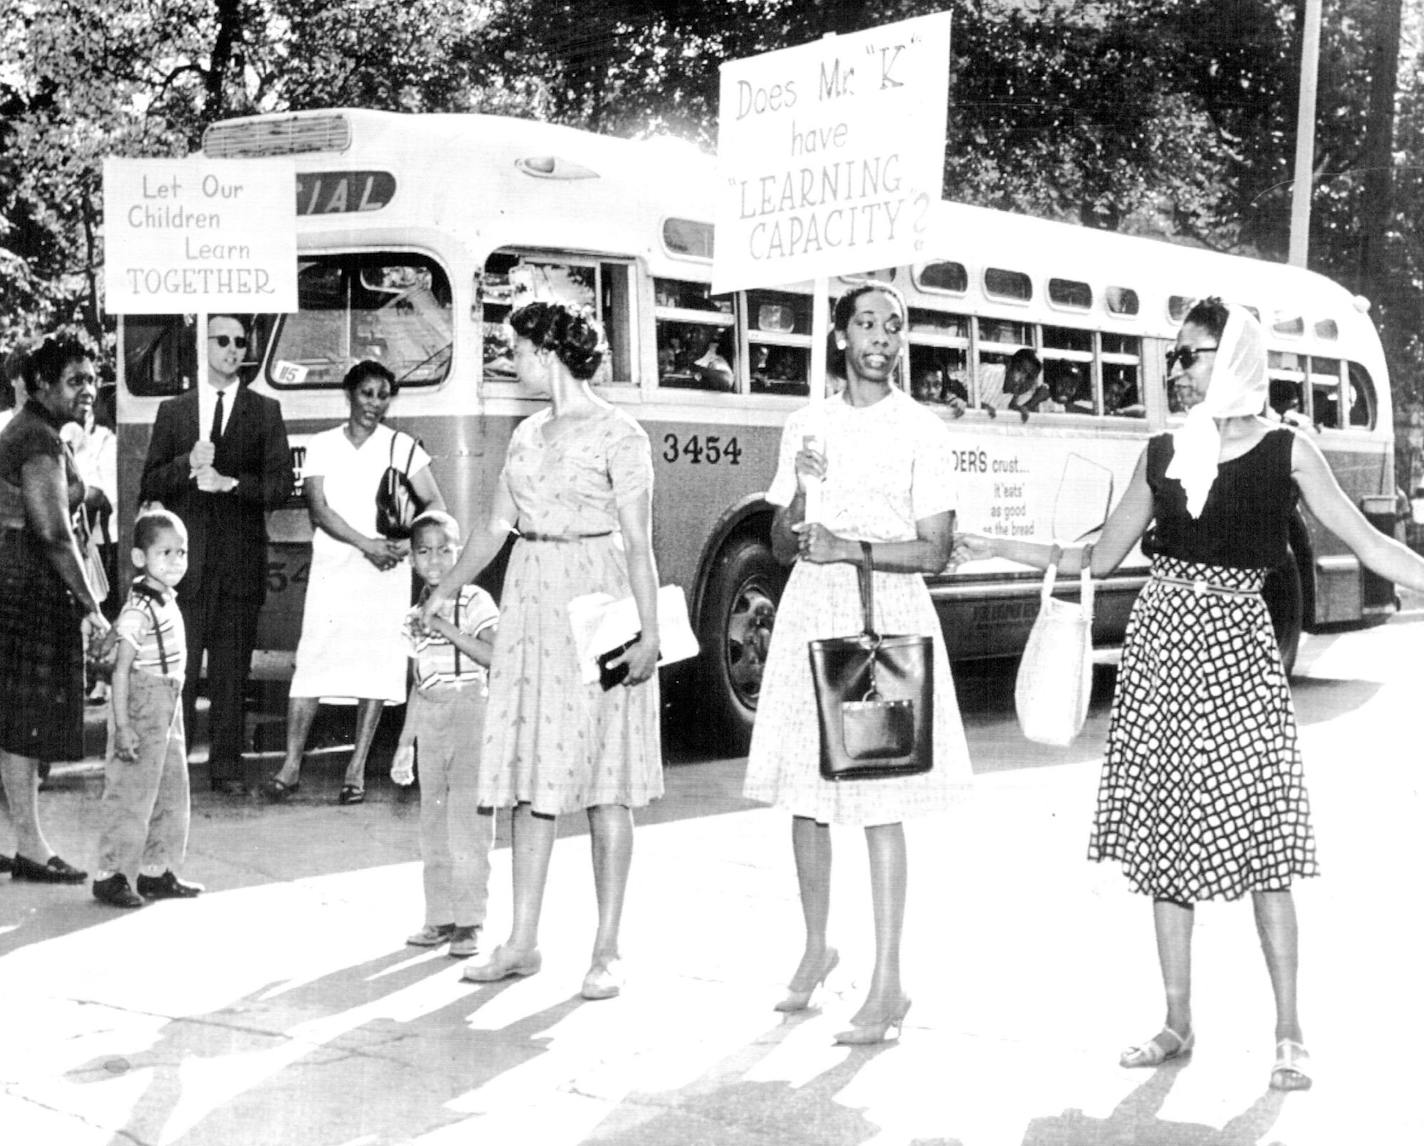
x,y
1285,402
1203,793
1065,393
1014,386
928,385
888,497
709,365
577,489
1120,397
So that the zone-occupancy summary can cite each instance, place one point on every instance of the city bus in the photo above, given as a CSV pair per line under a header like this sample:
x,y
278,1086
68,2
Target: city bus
x,y
418,234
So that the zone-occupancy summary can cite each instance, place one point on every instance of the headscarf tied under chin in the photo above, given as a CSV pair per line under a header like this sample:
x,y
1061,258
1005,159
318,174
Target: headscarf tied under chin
x,y
1237,389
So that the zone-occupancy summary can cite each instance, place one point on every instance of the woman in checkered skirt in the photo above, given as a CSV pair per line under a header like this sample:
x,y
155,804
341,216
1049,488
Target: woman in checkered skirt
x,y
1202,793
44,596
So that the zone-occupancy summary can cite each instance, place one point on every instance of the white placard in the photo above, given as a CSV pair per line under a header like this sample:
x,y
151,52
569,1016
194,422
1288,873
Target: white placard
x,y
189,236
830,156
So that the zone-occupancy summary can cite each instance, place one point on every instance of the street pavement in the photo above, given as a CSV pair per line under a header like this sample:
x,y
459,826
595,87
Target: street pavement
x,y
282,1007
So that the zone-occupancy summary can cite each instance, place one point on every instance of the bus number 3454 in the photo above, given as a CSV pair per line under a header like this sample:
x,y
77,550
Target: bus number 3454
x,y
698,449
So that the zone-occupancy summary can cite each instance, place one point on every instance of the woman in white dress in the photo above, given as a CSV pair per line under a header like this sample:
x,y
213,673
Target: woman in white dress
x,y
884,465
351,649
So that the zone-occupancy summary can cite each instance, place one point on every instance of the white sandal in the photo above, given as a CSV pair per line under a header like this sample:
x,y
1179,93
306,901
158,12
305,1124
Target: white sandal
x,y
1291,1071
1153,1053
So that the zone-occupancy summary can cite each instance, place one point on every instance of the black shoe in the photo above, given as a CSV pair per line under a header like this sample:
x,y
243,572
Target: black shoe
x,y
55,871
5,864
230,787
167,886
116,892
350,794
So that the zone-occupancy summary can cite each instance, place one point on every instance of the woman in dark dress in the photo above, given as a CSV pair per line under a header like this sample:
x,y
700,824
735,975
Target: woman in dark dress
x,y
44,596
1202,793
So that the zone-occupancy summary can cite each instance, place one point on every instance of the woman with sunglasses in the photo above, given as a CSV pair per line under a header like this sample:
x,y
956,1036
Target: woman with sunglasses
x,y
1202,793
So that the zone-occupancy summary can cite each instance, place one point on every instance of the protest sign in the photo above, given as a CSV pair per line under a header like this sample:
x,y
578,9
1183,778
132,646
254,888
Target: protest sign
x,y
830,155
186,236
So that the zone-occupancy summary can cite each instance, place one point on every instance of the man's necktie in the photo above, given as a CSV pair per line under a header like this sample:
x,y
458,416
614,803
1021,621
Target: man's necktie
x,y
216,432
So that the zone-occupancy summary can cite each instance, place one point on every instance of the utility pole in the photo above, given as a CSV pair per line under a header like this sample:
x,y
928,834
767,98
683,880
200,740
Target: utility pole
x,y
1305,136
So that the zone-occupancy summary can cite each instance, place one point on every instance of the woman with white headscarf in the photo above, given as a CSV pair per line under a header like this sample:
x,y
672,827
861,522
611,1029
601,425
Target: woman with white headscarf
x,y
1202,793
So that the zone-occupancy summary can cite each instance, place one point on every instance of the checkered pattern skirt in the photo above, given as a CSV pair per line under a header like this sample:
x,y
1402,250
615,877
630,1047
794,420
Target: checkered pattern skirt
x,y
41,655
1203,793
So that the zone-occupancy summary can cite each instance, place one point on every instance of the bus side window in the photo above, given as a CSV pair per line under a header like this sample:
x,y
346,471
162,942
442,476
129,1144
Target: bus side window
x,y
1286,394
1325,392
511,279
779,343
1122,374
1364,405
939,356
695,336
1068,361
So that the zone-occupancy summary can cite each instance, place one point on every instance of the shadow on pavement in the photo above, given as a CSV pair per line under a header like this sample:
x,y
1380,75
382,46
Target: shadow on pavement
x,y
1135,1120
324,1061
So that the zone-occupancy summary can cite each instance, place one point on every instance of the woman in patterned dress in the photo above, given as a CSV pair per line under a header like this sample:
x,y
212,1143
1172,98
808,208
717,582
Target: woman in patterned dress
x,y
884,468
1202,793
578,484
44,596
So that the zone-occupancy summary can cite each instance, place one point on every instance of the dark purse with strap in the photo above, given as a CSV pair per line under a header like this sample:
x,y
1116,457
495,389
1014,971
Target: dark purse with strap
x,y
874,697
397,503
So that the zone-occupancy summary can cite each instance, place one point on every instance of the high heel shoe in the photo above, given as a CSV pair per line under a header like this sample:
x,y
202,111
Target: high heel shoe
x,y
799,1000
1292,1069
866,1034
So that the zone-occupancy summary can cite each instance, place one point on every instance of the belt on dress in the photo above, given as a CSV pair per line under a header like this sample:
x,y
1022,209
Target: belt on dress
x,y
1200,587
530,535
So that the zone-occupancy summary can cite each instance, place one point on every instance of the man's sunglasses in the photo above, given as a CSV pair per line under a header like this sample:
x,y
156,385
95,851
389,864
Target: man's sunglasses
x,y
241,343
1186,355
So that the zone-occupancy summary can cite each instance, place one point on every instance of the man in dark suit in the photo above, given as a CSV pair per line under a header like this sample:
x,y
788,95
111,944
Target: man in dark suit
x,y
218,458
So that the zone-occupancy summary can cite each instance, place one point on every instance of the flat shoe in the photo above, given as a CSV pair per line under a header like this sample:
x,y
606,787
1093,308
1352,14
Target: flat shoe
x,y
431,935
276,791
116,892
464,942
1292,1069
1153,1053
54,870
503,966
168,886
603,981
350,794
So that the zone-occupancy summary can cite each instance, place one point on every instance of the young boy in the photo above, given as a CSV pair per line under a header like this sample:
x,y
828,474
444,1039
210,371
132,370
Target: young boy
x,y
444,719
144,812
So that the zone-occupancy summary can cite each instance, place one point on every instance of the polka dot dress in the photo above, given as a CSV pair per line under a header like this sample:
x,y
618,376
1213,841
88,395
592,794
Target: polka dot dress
x,y
1202,793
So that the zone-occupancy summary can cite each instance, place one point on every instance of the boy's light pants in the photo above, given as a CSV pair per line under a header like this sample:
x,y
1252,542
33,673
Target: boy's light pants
x,y
144,812
455,837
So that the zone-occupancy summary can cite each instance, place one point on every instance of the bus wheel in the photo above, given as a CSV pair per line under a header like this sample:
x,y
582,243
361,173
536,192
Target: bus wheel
x,y
1286,604
737,620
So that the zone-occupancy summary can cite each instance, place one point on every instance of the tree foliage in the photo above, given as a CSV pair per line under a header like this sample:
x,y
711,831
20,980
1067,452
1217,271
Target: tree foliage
x,y
1165,117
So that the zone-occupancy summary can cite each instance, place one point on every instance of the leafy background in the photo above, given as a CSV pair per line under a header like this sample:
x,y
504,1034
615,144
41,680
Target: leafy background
x,y
1169,118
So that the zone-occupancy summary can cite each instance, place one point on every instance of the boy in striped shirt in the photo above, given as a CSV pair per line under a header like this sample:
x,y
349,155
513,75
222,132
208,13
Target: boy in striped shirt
x,y
144,811
444,721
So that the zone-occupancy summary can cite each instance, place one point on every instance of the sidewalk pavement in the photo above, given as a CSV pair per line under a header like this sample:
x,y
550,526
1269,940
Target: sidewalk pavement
x,y
282,1007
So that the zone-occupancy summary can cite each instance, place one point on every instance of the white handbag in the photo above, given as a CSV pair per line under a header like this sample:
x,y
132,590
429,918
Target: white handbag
x,y
602,625
1055,680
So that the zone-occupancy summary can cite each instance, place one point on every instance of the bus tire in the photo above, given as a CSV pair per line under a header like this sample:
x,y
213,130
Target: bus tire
x,y
1286,603
738,614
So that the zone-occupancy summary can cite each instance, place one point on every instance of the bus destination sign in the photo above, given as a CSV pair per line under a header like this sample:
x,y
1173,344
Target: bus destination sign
x,y
338,192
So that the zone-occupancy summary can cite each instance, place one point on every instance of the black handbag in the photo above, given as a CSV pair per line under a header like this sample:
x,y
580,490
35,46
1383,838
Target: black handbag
x,y
875,698
397,503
